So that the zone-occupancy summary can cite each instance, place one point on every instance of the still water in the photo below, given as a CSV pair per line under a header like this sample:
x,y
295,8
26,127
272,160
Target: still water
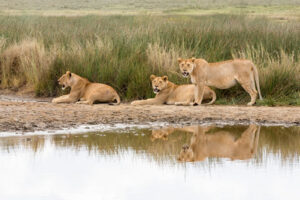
x,y
193,162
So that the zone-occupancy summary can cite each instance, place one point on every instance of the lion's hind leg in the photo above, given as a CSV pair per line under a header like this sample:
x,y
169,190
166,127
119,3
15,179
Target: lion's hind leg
x,y
185,103
90,102
247,85
252,93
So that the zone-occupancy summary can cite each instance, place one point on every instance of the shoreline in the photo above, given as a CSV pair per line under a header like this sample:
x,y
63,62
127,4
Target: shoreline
x,y
30,116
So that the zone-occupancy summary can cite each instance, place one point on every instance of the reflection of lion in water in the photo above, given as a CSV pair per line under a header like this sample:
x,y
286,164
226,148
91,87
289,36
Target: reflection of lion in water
x,y
170,93
163,133
85,91
221,144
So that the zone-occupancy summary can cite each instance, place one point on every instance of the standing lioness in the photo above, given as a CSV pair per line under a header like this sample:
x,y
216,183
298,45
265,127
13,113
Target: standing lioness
x,y
85,91
170,93
222,75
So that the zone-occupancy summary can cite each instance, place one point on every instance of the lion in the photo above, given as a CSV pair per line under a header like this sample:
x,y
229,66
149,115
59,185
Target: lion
x,y
221,144
84,91
222,75
170,93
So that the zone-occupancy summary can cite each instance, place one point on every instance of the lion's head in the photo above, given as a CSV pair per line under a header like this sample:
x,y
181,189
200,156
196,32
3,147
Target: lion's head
x,y
65,80
158,83
161,133
186,154
186,66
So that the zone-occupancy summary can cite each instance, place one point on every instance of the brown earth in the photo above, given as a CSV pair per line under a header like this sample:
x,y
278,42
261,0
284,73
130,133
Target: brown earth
x,y
26,114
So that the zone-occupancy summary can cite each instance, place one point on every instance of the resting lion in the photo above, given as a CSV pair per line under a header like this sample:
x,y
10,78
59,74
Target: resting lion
x,y
170,93
85,92
222,75
221,144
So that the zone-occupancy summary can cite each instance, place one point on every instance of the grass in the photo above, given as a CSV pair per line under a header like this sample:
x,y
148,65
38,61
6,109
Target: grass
x,y
145,5
278,9
123,51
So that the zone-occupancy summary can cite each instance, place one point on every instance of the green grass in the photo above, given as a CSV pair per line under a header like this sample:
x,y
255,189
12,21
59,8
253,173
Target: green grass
x,y
278,9
133,4
123,51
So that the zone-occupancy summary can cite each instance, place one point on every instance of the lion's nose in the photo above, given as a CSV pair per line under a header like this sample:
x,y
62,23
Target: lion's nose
x,y
185,147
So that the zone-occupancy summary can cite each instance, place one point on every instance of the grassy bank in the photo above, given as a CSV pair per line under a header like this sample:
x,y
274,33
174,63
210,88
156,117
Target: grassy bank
x,y
123,51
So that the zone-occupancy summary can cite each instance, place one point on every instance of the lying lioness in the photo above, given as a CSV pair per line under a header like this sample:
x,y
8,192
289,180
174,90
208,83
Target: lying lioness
x,y
83,91
221,75
221,144
170,93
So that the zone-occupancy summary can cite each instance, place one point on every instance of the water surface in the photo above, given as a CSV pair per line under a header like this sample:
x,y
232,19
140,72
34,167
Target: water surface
x,y
193,162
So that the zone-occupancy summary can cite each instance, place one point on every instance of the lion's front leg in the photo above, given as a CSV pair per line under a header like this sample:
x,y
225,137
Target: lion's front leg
x,y
64,99
59,99
152,101
185,103
199,92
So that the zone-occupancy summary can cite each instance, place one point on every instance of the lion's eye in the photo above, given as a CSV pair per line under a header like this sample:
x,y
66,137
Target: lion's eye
x,y
188,65
160,81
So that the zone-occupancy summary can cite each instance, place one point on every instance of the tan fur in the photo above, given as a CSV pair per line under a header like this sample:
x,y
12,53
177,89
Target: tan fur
x,y
85,91
163,133
222,75
170,93
221,144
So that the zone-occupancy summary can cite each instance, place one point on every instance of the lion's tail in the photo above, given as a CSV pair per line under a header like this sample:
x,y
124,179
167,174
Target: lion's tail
x,y
256,77
116,100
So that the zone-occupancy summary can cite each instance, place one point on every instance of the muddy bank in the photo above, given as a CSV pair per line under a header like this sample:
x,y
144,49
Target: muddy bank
x,y
25,116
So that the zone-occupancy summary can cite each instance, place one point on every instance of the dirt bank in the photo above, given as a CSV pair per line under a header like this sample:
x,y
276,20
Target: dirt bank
x,y
28,115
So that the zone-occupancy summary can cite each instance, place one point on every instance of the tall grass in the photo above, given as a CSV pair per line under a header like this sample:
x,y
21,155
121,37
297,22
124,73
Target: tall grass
x,y
123,51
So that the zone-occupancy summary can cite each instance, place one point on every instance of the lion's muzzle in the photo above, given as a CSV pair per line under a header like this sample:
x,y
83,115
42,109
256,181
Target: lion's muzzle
x,y
185,74
156,90
185,147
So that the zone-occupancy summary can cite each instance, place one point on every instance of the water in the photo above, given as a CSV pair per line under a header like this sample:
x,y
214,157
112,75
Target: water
x,y
237,162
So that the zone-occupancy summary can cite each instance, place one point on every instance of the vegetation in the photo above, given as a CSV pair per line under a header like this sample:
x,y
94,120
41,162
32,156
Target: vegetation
x,y
134,5
123,51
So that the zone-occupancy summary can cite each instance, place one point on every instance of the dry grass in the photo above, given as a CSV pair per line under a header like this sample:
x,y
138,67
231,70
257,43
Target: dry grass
x,y
24,63
163,59
279,77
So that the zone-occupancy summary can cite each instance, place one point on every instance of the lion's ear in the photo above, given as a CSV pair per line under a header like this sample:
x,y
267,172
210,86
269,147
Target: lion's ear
x,y
193,59
165,78
179,60
69,73
152,77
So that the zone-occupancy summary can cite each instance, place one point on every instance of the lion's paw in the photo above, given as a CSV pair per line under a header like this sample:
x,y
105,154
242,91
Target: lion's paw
x,y
134,103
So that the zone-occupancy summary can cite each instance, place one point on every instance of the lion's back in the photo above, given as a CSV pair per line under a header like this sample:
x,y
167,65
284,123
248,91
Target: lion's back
x,y
183,93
